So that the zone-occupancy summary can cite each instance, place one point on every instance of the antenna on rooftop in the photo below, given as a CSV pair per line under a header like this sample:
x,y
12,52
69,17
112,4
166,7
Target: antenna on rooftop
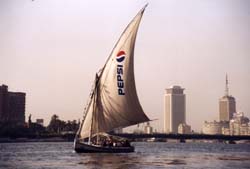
x,y
226,88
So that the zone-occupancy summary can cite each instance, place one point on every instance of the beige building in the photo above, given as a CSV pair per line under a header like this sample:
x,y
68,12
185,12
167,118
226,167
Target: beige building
x,y
225,131
239,125
183,128
148,129
214,127
174,109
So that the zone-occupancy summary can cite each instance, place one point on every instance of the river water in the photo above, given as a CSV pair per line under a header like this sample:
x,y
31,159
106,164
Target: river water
x,y
60,155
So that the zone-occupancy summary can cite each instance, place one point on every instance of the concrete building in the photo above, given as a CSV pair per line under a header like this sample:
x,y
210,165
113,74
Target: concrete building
x,y
214,127
183,128
12,106
239,125
227,105
148,129
225,131
174,109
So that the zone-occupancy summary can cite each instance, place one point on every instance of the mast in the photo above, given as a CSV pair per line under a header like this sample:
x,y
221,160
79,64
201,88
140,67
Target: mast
x,y
94,107
226,87
86,109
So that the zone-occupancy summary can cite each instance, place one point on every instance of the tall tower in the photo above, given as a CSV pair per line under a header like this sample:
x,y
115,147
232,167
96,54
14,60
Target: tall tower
x,y
174,109
227,105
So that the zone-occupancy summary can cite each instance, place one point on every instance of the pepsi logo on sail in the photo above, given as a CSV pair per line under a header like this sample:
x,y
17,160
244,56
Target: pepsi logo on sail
x,y
120,80
120,56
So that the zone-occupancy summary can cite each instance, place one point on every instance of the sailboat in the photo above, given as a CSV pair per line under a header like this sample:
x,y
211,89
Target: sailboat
x,y
113,101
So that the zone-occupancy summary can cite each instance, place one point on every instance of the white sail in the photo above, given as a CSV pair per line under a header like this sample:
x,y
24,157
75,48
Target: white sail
x,y
115,102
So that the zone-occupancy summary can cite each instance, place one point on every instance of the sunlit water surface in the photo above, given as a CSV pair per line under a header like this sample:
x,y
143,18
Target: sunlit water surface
x,y
146,156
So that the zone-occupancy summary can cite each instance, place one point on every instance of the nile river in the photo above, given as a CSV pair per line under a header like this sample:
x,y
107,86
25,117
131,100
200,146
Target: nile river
x,y
147,156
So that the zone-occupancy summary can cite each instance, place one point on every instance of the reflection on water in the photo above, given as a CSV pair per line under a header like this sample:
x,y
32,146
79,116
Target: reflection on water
x,y
234,158
147,155
109,160
126,161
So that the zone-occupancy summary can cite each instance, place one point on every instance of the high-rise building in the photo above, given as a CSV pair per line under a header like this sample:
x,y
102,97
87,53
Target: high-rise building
x,y
12,106
16,107
227,105
174,109
3,103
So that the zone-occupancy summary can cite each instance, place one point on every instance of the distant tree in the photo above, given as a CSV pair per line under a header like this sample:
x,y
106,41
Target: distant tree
x,y
55,125
71,126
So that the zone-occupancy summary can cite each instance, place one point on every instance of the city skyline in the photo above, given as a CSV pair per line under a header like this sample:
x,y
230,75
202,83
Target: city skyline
x,y
51,50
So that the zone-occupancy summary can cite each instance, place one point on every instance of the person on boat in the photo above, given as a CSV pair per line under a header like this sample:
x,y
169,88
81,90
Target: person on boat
x,y
127,144
104,143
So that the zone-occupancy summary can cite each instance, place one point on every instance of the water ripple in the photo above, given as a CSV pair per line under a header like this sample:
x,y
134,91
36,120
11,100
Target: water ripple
x,y
147,155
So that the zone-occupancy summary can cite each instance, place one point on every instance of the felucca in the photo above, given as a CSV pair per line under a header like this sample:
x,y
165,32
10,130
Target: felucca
x,y
113,101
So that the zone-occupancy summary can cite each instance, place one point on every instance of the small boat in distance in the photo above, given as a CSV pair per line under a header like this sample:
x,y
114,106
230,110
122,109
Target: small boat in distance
x,y
113,101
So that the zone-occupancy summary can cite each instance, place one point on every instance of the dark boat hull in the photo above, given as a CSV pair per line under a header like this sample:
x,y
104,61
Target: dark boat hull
x,y
86,148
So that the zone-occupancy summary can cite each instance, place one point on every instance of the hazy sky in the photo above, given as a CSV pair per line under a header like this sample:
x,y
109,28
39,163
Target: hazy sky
x,y
51,49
